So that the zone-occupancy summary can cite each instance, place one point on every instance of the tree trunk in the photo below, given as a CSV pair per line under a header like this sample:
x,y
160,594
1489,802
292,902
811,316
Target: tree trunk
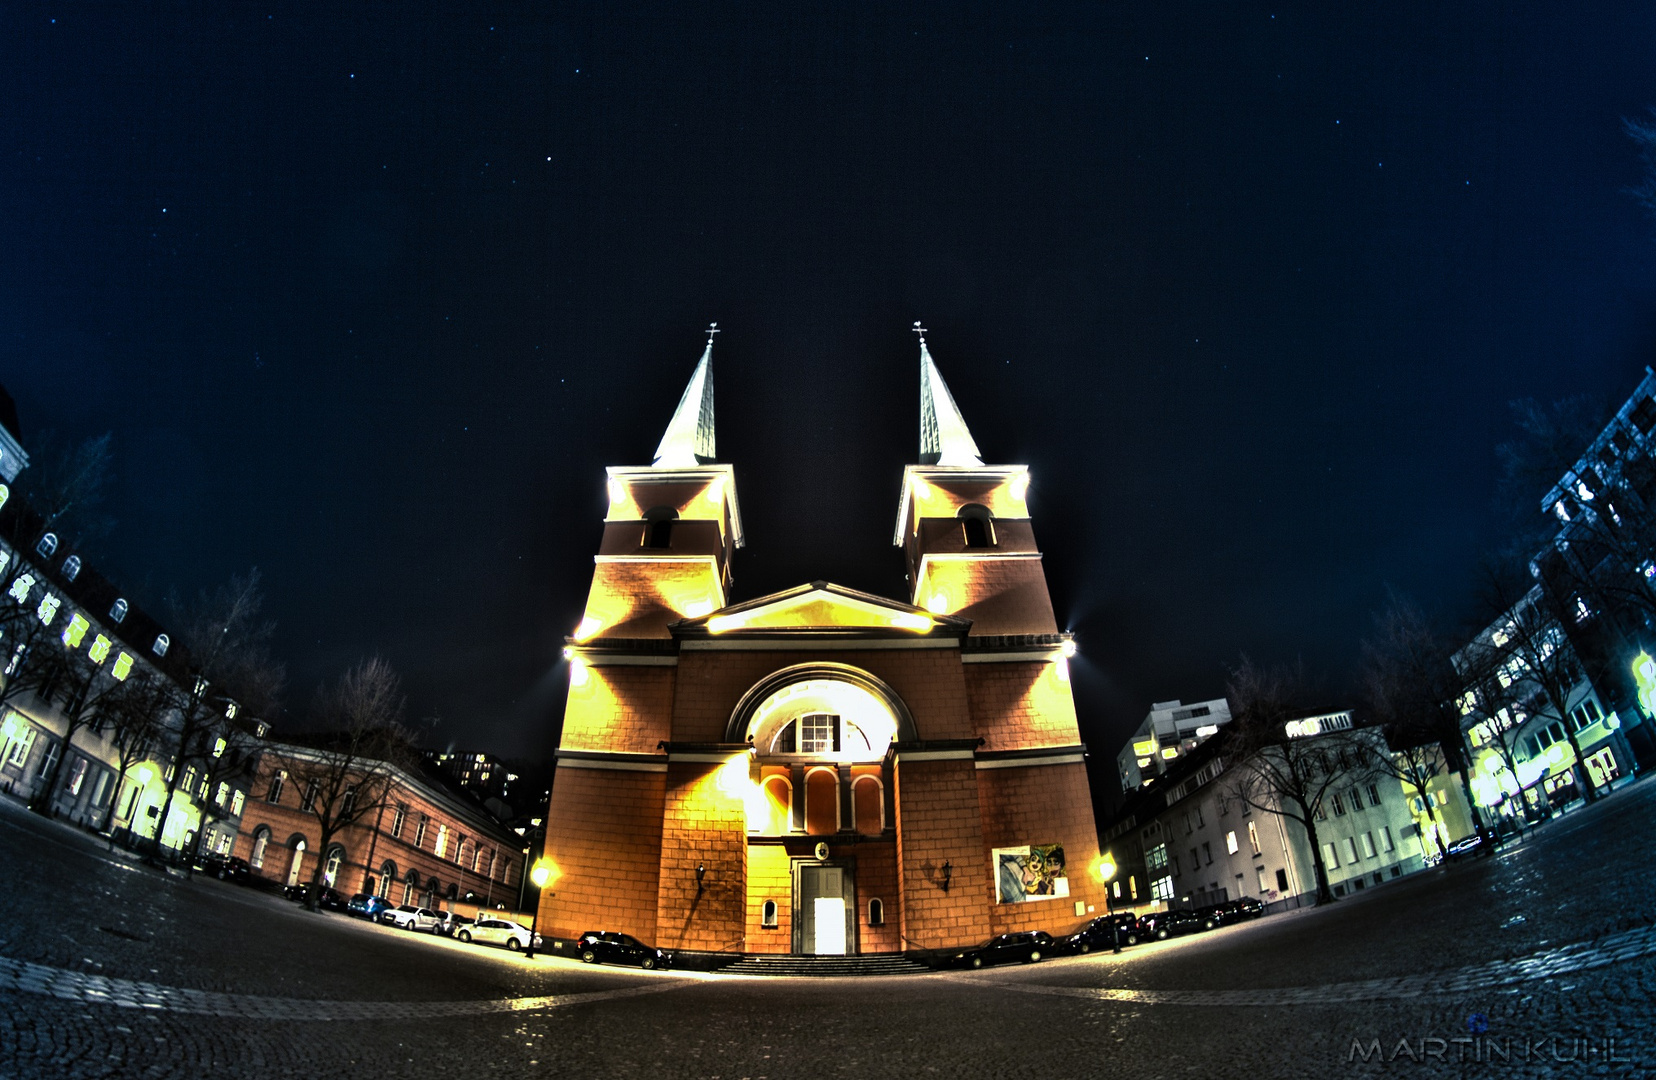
x,y
1325,893
1583,777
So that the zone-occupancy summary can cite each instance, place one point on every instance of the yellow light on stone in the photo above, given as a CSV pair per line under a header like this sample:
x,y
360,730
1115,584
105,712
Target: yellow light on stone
x,y
543,873
912,621
1061,670
922,490
721,623
617,491
588,627
578,673
1068,647
938,603
569,652
1020,486
715,492
698,608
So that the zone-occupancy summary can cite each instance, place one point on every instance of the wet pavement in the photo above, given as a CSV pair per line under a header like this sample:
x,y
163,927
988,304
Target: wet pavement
x,y
1539,961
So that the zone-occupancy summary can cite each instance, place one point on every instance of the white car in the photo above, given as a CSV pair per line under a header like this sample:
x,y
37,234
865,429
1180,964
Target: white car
x,y
490,931
409,917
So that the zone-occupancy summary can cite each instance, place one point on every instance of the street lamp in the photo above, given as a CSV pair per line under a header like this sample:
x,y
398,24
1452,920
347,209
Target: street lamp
x,y
1106,870
541,874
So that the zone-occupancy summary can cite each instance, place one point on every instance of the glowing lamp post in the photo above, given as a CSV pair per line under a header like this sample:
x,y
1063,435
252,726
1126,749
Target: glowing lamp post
x,y
541,874
1106,871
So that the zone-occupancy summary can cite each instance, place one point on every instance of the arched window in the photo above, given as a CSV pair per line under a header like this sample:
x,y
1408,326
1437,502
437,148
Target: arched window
x,y
296,864
261,840
868,805
412,883
767,914
822,802
977,525
779,805
388,874
162,643
876,912
453,892
331,865
117,611
71,568
658,526
47,545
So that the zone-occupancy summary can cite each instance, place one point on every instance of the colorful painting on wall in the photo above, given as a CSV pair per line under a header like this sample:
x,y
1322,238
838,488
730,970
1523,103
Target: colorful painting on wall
x,y
1031,872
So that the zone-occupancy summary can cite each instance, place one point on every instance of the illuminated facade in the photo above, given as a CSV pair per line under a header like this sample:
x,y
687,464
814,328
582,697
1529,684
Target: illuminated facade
x,y
819,771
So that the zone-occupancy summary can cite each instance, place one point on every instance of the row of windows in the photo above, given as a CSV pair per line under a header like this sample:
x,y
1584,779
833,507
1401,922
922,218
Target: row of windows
x,y
822,808
768,910
1349,847
307,803
1352,798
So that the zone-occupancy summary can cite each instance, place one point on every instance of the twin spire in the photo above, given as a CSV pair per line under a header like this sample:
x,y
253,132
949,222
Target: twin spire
x,y
944,437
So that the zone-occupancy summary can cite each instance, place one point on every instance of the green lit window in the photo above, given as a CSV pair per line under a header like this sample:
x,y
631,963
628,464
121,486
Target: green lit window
x,y
123,666
76,630
99,650
19,590
48,609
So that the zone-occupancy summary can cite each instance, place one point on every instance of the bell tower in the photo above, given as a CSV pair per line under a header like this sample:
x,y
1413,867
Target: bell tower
x,y
964,526
671,528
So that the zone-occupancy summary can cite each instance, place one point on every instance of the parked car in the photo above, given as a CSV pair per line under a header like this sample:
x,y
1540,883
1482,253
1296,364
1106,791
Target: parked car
x,y
605,947
452,922
1466,845
225,867
1161,925
328,898
1100,933
367,905
409,917
489,930
1029,946
1244,907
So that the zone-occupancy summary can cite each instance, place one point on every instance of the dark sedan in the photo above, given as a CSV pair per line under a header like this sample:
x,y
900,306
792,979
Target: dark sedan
x,y
330,899
606,947
1162,925
1245,907
226,867
1027,947
1102,933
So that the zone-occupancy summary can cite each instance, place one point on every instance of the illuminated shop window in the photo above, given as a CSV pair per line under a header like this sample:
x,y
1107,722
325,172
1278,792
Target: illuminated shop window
x,y
1162,889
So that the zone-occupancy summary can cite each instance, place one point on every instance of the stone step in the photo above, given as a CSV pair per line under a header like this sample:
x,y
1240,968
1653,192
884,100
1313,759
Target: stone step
x,y
826,966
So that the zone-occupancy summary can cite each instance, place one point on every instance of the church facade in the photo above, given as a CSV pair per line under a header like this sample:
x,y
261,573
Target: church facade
x,y
819,771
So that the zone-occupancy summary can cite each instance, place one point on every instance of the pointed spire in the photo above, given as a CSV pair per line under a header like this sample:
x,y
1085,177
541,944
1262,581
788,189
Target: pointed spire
x,y
944,439
688,441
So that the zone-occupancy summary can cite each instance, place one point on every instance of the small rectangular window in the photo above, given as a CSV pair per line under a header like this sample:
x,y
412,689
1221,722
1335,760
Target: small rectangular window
x,y
1368,845
1253,837
1374,795
819,734
1386,838
1339,807
1349,847
1207,850
1330,860
1282,879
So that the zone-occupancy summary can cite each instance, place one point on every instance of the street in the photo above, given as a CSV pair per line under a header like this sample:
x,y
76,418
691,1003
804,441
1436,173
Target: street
x,y
1539,961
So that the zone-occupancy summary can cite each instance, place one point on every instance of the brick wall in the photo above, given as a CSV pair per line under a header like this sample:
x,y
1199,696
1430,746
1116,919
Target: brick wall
x,y
638,599
1000,596
1042,804
701,825
1020,705
937,811
769,877
604,838
625,708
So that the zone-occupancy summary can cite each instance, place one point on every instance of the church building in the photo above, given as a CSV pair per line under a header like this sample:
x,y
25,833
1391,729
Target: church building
x,y
822,770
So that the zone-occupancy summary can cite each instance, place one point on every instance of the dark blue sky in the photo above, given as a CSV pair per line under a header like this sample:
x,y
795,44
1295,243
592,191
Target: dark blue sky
x,y
370,299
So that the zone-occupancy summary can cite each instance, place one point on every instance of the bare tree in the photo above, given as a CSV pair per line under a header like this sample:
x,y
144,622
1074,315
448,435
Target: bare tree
x,y
1524,664
227,648
1643,133
79,685
348,771
1277,763
136,711
1411,690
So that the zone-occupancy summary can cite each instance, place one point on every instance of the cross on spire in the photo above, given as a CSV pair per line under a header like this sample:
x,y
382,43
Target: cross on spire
x,y
712,328
921,330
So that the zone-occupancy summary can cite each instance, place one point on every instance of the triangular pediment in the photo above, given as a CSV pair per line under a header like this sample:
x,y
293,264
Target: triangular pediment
x,y
822,607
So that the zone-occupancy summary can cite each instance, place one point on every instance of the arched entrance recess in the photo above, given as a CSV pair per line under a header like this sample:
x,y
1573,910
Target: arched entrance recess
x,y
821,735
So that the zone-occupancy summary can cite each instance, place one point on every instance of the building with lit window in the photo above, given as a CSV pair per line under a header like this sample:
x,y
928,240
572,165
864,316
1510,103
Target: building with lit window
x,y
56,608
1171,730
821,770
422,845
1189,840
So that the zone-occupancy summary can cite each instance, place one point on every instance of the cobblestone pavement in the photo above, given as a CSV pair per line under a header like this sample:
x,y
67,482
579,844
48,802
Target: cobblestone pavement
x,y
1538,962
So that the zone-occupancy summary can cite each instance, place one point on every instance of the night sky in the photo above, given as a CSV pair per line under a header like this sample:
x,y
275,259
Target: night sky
x,y
369,300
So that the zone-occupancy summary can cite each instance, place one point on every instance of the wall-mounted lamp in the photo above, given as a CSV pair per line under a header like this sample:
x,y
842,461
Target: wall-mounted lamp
x,y
948,874
701,872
